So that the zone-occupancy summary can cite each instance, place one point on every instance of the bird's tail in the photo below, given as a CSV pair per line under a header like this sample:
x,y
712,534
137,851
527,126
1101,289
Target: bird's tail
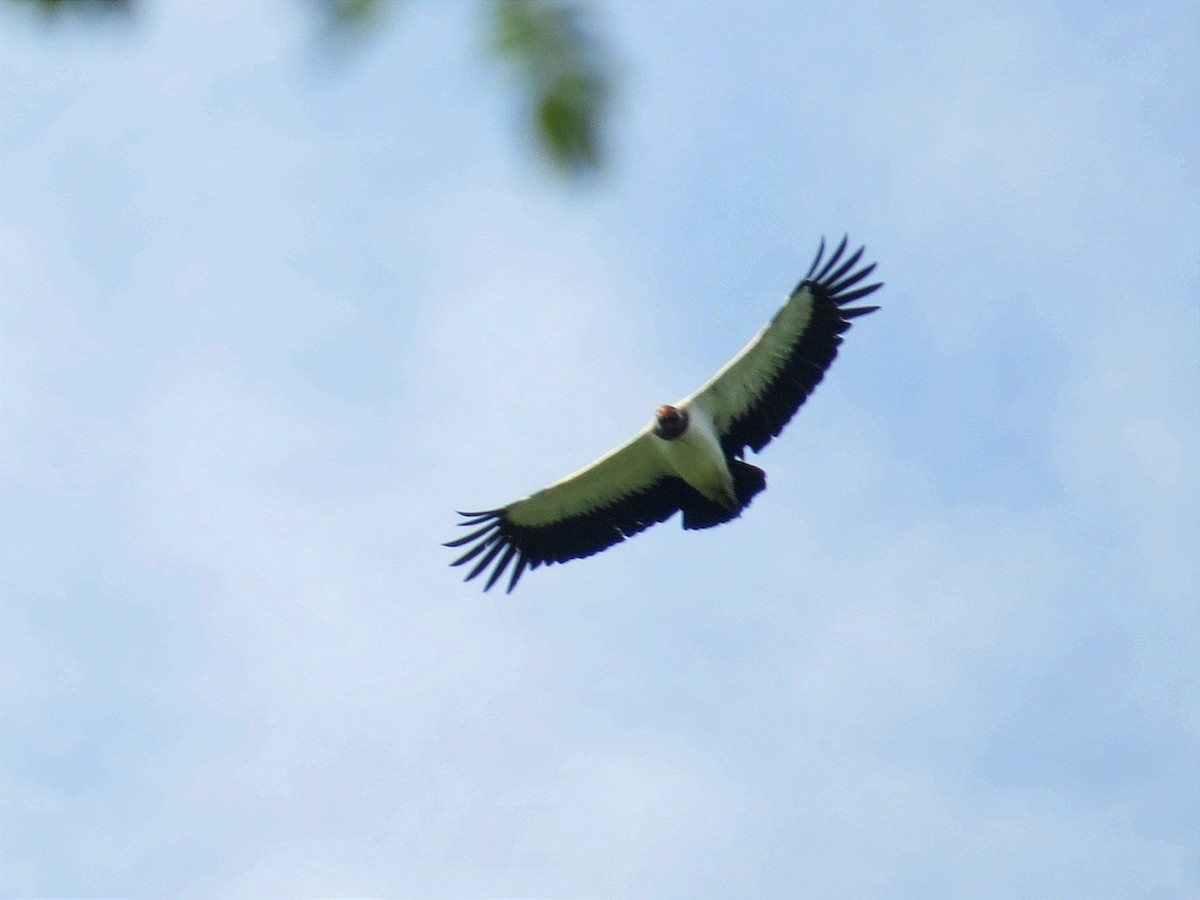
x,y
700,512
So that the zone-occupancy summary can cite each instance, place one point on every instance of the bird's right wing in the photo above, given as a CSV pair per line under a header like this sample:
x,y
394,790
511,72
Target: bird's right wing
x,y
752,398
619,495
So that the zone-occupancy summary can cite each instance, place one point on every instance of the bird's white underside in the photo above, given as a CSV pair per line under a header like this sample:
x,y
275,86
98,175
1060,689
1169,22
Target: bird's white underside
x,y
696,457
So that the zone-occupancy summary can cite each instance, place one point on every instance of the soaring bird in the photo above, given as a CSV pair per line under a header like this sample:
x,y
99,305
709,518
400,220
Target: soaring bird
x,y
689,457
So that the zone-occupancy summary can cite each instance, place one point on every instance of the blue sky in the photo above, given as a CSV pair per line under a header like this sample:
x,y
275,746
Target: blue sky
x,y
269,318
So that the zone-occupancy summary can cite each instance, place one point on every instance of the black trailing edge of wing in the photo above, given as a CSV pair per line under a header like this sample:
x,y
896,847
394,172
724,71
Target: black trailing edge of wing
x,y
833,283
500,543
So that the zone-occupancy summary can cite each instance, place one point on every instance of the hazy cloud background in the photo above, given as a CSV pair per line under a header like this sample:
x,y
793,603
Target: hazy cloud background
x,y
266,322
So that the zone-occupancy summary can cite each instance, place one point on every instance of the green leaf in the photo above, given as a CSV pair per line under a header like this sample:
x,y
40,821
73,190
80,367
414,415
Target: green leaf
x,y
53,8
564,72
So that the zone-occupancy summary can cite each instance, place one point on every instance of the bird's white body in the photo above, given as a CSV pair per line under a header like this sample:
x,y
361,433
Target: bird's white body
x,y
696,457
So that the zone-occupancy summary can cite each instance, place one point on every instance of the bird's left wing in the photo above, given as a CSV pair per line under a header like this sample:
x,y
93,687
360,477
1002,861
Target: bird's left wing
x,y
760,389
622,493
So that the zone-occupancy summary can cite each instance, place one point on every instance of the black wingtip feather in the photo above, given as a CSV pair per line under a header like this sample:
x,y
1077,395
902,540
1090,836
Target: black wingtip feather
x,y
852,280
816,261
821,276
522,562
466,539
483,544
858,311
858,295
492,553
500,567
845,267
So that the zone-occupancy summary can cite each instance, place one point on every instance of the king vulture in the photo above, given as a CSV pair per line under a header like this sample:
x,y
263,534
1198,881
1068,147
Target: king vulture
x,y
689,458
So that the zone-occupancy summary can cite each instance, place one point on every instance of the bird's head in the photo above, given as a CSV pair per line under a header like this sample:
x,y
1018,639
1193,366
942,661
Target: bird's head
x,y
672,422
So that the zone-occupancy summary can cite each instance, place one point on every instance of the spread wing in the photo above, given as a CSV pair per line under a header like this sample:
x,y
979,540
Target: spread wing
x,y
760,389
617,496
